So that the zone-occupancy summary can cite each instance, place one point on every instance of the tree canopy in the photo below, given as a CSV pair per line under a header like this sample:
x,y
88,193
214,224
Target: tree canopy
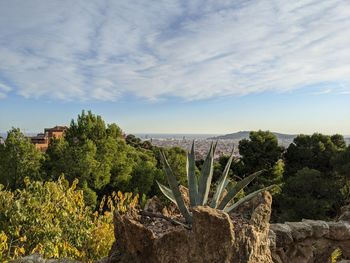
x,y
315,152
18,159
261,152
308,194
312,187
99,157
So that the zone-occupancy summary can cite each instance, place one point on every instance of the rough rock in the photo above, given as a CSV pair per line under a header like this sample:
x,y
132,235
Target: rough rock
x,y
310,241
154,205
212,233
283,233
252,242
300,230
319,228
215,237
185,194
338,231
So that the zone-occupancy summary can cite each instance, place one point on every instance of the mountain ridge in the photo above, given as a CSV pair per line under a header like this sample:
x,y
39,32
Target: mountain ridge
x,y
283,138
245,134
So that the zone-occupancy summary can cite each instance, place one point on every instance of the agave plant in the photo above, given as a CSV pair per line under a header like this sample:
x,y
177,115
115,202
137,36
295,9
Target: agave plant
x,y
199,188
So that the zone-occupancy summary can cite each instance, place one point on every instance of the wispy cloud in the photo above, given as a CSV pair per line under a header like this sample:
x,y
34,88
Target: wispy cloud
x,y
189,49
345,92
4,89
322,92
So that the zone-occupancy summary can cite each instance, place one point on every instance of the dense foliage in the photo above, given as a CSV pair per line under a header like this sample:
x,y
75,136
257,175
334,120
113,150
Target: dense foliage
x,y
98,155
313,176
18,159
308,194
315,152
52,219
261,152
313,173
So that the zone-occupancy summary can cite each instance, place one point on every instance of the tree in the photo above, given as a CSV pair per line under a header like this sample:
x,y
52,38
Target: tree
x,y
101,159
144,173
339,141
133,141
315,151
136,142
310,179
308,194
18,159
261,151
91,152
87,126
114,131
341,163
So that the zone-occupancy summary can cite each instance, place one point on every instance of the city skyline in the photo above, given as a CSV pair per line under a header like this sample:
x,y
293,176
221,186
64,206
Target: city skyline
x,y
204,67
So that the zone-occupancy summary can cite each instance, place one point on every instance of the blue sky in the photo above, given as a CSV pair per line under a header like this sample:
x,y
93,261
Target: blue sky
x,y
177,66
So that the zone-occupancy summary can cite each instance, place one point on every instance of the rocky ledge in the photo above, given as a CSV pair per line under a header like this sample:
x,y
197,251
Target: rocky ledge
x,y
215,236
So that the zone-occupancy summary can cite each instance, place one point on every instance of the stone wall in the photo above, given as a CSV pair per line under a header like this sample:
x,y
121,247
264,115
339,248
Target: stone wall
x,y
310,241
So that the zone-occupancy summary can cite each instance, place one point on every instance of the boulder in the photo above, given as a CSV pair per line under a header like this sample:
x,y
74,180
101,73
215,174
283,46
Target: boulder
x,y
338,231
319,228
300,230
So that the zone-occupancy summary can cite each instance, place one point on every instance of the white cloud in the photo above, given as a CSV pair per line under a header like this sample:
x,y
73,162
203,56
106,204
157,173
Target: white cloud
x,y
322,92
345,92
4,89
105,49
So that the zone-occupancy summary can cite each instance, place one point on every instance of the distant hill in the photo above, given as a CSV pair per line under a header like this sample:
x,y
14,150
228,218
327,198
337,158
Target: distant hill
x,y
245,134
283,139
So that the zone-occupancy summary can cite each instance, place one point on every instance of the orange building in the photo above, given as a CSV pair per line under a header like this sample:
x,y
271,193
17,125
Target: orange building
x,y
41,140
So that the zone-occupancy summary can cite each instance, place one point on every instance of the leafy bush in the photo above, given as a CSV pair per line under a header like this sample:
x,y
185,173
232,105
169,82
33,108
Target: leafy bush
x,y
52,219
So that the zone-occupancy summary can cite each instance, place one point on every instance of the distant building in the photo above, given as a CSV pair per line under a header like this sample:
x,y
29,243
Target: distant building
x,y
2,141
56,132
41,140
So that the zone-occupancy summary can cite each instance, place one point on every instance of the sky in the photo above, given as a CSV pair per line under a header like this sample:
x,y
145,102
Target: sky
x,y
177,66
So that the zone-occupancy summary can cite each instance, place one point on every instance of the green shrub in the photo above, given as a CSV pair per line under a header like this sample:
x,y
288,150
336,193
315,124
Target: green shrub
x,y
52,219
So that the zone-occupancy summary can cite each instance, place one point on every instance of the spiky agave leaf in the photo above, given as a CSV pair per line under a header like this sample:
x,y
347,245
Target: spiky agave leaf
x,y
237,188
167,192
175,189
247,198
191,176
206,177
222,183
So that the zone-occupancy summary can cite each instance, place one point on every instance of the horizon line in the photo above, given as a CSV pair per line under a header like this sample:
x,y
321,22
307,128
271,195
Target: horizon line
x,y
189,133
